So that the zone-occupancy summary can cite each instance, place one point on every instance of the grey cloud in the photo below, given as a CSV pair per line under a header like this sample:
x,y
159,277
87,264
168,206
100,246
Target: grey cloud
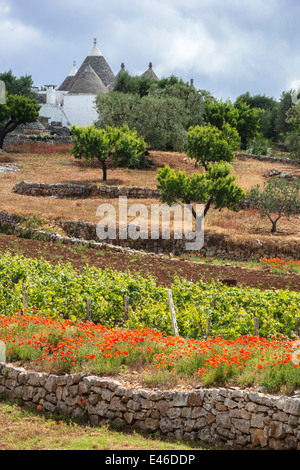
x,y
228,46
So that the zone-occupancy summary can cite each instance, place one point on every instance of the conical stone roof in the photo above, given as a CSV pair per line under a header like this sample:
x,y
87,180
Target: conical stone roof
x,y
98,63
150,73
96,60
122,70
88,82
192,84
95,50
68,82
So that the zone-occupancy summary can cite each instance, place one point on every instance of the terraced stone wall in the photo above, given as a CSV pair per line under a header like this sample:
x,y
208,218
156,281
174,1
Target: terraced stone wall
x,y
233,418
265,158
22,139
8,220
84,191
214,245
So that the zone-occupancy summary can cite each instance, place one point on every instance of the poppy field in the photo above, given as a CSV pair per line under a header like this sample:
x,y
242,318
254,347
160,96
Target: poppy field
x,y
64,346
277,264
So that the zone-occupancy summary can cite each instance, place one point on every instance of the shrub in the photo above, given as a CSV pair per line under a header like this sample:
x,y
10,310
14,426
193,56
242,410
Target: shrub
x,y
260,146
122,144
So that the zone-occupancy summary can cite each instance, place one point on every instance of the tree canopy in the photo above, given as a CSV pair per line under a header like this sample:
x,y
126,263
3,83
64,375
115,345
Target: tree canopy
x,y
161,114
213,149
292,137
17,110
18,86
240,115
207,144
216,187
122,144
20,105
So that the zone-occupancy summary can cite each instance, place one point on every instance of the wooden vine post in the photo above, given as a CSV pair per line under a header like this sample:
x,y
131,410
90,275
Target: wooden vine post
x,y
208,325
296,326
126,307
173,314
89,310
2,351
208,320
24,296
256,326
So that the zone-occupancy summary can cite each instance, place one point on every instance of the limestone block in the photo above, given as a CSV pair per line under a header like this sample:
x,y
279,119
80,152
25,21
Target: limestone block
x,y
241,425
276,430
195,398
166,425
257,420
223,420
51,384
258,437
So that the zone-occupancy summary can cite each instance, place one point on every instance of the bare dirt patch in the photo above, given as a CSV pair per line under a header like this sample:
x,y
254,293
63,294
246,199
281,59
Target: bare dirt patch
x,y
50,164
163,269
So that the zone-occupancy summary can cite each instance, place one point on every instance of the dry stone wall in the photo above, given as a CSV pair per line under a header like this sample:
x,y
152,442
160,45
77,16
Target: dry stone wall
x,y
21,139
214,245
233,418
9,220
265,158
61,190
84,191
79,191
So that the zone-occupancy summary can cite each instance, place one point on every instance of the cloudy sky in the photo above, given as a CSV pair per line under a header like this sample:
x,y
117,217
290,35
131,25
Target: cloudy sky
x,y
227,46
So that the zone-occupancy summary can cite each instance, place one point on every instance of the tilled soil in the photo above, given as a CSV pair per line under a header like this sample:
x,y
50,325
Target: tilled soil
x,y
163,269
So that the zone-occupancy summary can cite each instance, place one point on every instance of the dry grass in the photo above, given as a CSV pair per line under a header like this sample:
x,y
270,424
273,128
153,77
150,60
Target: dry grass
x,y
40,148
29,429
54,164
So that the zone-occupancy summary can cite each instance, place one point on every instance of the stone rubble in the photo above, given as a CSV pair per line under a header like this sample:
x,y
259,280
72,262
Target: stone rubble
x,y
9,168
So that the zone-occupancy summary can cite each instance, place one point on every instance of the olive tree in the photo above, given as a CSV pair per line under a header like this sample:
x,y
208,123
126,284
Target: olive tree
x,y
276,199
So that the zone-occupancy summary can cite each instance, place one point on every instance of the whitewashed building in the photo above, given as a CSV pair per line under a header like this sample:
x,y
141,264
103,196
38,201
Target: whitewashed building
x,y
73,102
